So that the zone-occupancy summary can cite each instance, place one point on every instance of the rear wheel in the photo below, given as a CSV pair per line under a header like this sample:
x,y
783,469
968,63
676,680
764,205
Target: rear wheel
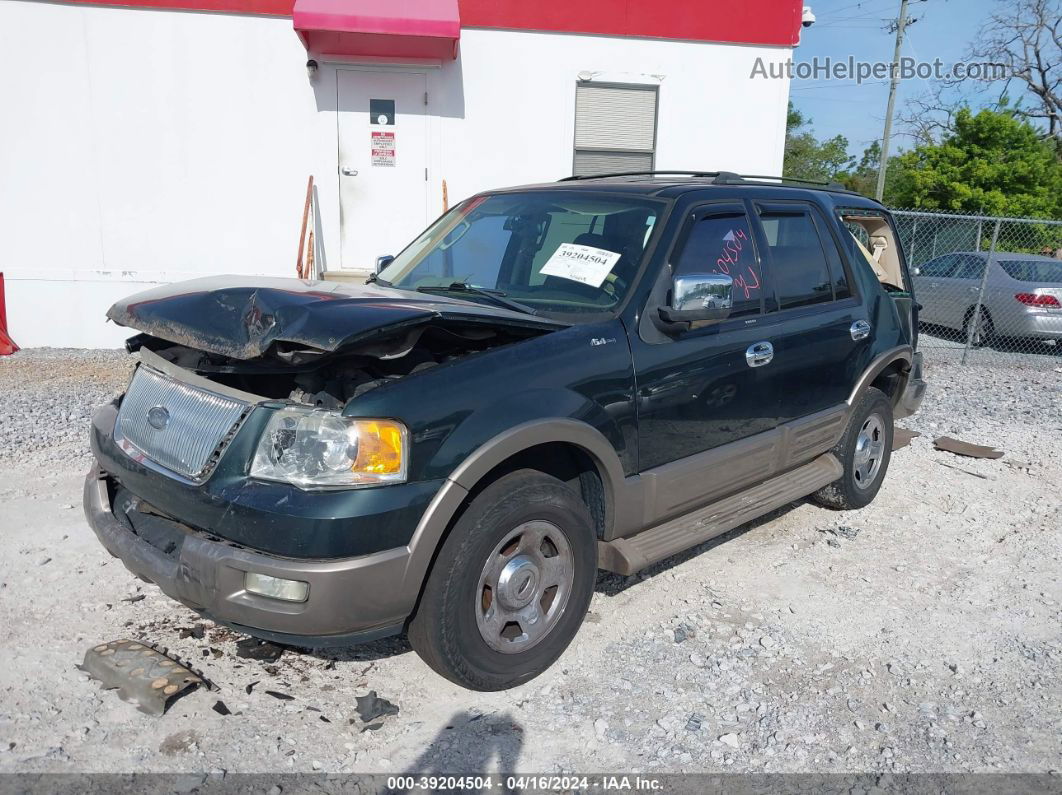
x,y
510,586
864,451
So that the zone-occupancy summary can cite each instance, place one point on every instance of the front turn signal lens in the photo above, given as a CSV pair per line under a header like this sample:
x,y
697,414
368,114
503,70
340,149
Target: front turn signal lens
x,y
381,446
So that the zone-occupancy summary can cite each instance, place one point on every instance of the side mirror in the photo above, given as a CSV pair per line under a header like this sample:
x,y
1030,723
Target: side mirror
x,y
699,298
383,262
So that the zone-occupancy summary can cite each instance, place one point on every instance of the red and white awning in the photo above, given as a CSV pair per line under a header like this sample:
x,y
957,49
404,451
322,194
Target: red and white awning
x,y
370,28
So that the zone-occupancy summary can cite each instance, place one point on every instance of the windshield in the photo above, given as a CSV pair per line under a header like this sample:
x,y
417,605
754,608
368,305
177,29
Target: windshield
x,y
554,252
1042,271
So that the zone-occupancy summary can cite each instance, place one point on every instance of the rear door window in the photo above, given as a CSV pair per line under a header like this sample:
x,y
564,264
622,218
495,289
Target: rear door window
x,y
800,272
721,242
970,268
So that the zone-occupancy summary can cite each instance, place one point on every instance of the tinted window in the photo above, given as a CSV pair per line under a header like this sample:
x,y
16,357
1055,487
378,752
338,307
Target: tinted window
x,y
833,256
723,244
941,267
970,268
1040,271
799,271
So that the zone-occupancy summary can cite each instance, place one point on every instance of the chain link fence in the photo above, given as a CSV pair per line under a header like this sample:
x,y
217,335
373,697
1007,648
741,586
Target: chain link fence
x,y
988,286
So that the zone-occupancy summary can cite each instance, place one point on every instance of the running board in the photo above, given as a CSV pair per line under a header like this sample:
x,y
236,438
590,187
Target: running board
x,y
628,555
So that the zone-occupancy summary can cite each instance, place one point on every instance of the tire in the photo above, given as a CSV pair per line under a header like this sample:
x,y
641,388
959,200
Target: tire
x,y
983,333
523,535
869,424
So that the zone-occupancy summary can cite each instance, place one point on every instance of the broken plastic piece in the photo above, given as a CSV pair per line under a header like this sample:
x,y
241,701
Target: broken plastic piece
x,y
901,437
140,674
371,707
962,448
254,649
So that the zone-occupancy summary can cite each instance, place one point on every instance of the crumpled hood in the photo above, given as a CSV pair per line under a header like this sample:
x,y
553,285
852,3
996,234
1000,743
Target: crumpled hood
x,y
242,316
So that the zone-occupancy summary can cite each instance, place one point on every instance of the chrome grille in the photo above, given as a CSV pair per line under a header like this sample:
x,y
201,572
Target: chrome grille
x,y
175,425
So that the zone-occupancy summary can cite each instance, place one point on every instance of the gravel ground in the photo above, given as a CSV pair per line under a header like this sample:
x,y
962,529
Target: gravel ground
x,y
923,633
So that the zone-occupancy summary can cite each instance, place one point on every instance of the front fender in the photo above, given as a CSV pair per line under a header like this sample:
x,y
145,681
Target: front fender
x,y
510,424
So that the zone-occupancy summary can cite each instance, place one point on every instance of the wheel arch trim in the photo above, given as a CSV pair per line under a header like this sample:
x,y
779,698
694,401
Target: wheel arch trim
x,y
901,353
447,502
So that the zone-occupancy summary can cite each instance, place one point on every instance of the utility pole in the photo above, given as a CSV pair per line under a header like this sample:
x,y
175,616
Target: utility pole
x,y
901,26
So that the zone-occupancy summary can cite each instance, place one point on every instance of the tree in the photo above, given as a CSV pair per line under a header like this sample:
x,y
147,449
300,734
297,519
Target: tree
x,y
864,177
993,163
806,157
1025,38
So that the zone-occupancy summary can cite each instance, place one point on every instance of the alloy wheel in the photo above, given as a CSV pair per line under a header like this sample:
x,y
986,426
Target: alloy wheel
x,y
524,587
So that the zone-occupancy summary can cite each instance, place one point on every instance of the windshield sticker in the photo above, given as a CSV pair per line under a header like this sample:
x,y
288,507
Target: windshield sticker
x,y
583,264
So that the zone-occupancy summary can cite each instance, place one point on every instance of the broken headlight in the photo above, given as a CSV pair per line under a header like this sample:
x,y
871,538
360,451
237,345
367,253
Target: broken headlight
x,y
313,449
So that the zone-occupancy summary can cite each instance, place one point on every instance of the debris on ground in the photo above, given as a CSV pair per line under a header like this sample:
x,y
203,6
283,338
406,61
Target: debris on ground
x,y
138,597
220,708
279,695
371,707
841,531
901,437
959,447
140,674
197,632
255,649
180,743
684,632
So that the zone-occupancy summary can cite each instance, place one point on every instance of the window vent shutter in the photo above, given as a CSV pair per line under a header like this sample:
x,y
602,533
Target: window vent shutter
x,y
589,163
615,118
615,129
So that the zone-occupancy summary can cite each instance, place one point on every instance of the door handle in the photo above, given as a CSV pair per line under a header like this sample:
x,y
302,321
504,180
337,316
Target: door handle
x,y
758,354
347,171
860,330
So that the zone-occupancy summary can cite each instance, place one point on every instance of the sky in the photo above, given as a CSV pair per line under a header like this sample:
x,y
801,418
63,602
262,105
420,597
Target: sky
x,y
849,27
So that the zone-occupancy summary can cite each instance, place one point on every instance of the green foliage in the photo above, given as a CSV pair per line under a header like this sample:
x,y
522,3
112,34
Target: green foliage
x,y
864,177
991,163
806,157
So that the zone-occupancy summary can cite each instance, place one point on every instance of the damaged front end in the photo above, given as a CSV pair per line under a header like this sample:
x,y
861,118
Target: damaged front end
x,y
318,344
229,473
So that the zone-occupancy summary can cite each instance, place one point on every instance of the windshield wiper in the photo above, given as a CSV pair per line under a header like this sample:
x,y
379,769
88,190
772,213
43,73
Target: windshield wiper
x,y
496,297
374,279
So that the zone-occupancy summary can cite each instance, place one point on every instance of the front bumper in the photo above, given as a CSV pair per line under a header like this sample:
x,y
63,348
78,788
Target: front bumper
x,y
350,600
914,390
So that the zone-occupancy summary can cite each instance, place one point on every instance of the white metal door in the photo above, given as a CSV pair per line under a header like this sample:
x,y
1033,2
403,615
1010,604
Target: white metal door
x,y
383,162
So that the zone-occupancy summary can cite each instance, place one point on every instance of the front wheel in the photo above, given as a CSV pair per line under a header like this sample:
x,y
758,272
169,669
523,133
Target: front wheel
x,y
864,451
510,586
983,330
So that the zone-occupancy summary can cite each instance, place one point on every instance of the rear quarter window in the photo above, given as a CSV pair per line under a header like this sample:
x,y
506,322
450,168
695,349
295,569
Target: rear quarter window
x,y
1035,271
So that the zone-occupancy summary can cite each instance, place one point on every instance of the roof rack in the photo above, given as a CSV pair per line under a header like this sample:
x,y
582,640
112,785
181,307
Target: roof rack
x,y
722,178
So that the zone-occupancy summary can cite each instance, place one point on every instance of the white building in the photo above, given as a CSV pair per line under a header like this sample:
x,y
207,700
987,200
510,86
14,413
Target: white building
x,y
159,140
